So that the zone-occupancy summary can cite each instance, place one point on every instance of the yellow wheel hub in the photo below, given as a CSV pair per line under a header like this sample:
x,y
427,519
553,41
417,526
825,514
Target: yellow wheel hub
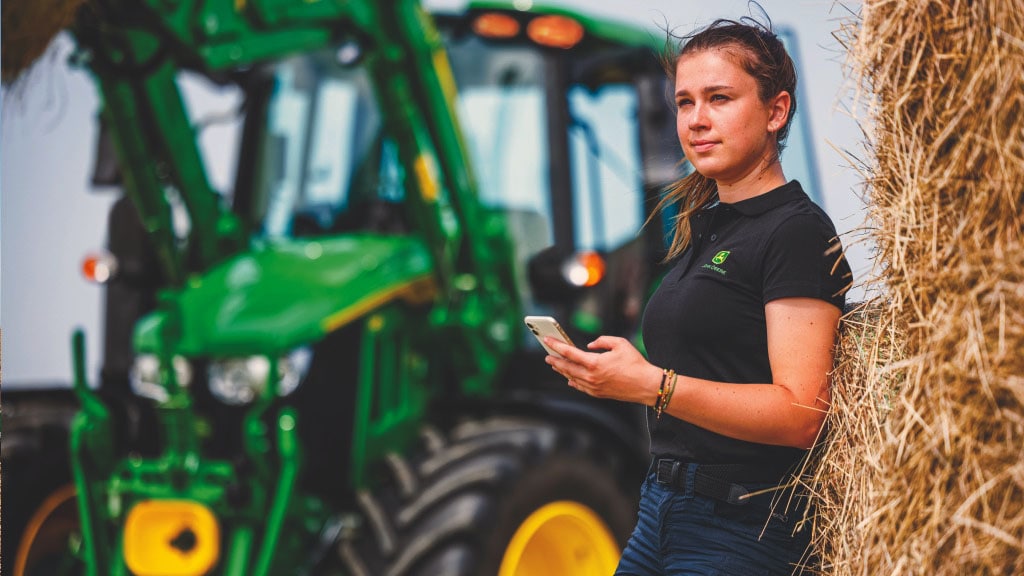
x,y
561,538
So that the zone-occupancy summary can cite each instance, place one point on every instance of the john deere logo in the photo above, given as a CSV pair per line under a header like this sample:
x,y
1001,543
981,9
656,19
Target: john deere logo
x,y
720,257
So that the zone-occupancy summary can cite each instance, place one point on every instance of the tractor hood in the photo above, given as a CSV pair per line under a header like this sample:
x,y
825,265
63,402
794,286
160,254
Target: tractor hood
x,y
287,294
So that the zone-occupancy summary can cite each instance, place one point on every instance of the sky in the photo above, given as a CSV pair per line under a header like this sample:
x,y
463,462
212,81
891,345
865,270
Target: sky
x,y
50,217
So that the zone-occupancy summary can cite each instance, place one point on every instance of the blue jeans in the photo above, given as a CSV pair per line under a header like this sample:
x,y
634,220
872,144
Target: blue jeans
x,y
679,532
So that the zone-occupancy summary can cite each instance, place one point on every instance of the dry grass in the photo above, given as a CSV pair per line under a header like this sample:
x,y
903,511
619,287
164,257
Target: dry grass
x,y
923,469
28,26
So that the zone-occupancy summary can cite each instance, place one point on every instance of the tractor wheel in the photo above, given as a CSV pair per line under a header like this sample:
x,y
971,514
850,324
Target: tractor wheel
x,y
503,496
38,501
46,545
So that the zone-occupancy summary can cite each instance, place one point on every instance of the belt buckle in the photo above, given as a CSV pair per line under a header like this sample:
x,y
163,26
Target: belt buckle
x,y
668,472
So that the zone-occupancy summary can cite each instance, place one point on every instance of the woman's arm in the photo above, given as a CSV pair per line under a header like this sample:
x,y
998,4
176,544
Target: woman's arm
x,y
787,412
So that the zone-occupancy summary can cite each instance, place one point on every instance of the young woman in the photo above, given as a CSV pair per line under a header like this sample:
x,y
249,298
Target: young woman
x,y
740,333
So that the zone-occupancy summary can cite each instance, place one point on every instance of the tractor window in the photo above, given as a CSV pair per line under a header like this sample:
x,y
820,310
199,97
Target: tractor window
x,y
218,115
502,110
607,178
505,130
322,152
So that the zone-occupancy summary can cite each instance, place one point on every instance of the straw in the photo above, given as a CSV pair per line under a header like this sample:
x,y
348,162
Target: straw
x,y
922,468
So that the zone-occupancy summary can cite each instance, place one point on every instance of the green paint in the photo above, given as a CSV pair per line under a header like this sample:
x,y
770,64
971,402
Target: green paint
x,y
272,300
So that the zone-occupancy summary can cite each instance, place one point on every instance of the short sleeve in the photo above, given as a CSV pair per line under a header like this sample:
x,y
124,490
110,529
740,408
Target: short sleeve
x,y
804,259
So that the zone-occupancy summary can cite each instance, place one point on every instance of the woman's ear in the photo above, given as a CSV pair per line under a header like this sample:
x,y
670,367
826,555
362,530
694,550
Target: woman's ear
x,y
778,111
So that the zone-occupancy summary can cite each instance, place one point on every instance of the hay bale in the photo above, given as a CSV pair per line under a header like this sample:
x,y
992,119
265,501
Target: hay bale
x,y
923,471
28,27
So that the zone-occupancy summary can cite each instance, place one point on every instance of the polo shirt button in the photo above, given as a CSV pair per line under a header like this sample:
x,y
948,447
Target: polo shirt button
x,y
714,237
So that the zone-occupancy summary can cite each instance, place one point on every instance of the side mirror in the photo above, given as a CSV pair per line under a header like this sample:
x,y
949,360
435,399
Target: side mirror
x,y
557,275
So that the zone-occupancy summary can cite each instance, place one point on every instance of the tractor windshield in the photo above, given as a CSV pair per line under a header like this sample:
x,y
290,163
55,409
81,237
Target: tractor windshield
x,y
502,109
324,157
325,165
322,152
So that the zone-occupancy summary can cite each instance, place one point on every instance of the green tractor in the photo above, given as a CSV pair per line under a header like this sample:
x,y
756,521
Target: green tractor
x,y
325,370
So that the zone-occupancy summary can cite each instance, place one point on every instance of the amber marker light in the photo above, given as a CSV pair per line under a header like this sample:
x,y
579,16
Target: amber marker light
x,y
495,25
585,269
555,31
99,267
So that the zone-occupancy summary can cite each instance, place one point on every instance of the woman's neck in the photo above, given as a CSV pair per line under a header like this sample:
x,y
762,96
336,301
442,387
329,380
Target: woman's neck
x,y
769,177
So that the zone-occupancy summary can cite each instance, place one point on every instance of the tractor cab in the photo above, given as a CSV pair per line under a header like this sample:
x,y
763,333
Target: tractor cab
x,y
568,132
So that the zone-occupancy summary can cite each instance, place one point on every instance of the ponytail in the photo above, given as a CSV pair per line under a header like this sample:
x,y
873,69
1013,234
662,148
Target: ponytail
x,y
691,193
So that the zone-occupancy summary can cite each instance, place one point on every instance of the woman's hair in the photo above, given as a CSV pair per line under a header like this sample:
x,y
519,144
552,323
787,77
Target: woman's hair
x,y
761,54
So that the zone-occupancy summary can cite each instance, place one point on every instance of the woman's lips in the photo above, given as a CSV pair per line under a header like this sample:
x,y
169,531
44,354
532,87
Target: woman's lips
x,y
702,145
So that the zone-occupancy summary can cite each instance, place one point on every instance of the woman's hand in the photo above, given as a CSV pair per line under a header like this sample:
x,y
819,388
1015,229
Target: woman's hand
x,y
620,372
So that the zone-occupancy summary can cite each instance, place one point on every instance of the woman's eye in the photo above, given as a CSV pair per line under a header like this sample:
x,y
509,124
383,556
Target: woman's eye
x,y
684,102
718,98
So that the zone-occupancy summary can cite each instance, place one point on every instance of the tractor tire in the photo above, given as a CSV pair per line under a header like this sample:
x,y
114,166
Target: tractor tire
x,y
45,549
506,496
39,510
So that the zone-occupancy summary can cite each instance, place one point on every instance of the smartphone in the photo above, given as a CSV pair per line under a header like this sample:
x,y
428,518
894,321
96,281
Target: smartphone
x,y
542,326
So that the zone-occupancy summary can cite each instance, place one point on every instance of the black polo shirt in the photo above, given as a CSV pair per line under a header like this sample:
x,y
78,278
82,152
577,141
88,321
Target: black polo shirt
x,y
706,319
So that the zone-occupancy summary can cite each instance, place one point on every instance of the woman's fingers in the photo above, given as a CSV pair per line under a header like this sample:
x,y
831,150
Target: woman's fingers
x,y
605,343
569,353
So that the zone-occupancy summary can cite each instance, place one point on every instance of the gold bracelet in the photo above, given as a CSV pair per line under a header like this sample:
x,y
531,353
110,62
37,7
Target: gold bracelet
x,y
671,391
661,388
659,407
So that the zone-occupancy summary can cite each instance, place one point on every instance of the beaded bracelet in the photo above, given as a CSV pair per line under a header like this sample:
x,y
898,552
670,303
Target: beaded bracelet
x,y
668,377
668,394
661,388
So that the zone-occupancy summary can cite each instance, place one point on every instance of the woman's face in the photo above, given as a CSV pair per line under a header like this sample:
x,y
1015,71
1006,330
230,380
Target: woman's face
x,y
724,128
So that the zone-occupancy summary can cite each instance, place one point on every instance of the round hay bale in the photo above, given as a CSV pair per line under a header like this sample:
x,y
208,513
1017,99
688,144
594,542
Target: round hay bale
x,y
923,468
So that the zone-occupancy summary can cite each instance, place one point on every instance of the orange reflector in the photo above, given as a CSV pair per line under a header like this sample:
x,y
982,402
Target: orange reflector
x,y
99,268
585,269
171,538
594,264
555,31
495,25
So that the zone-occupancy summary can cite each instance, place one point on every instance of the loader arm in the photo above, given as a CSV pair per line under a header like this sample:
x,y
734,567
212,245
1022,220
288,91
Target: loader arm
x,y
135,50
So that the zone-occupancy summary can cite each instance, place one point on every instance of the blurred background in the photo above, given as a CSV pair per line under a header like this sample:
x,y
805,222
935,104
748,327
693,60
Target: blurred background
x,y
51,217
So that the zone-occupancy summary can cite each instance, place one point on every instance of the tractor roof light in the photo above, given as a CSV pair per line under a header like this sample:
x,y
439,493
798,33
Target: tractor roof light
x,y
496,25
555,31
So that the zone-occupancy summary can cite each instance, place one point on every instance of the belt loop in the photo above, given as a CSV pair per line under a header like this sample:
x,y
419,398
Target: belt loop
x,y
674,475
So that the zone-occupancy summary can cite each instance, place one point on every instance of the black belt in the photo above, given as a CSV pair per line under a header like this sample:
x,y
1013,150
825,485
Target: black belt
x,y
718,481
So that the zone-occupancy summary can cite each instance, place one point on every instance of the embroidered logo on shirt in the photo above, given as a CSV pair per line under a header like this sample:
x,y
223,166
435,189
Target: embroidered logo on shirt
x,y
718,259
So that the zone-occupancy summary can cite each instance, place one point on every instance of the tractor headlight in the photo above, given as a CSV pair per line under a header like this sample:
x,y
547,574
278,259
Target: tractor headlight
x,y
239,381
146,380
145,377
292,370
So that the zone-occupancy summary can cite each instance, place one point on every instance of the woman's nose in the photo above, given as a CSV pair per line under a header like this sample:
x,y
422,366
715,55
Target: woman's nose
x,y
697,118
